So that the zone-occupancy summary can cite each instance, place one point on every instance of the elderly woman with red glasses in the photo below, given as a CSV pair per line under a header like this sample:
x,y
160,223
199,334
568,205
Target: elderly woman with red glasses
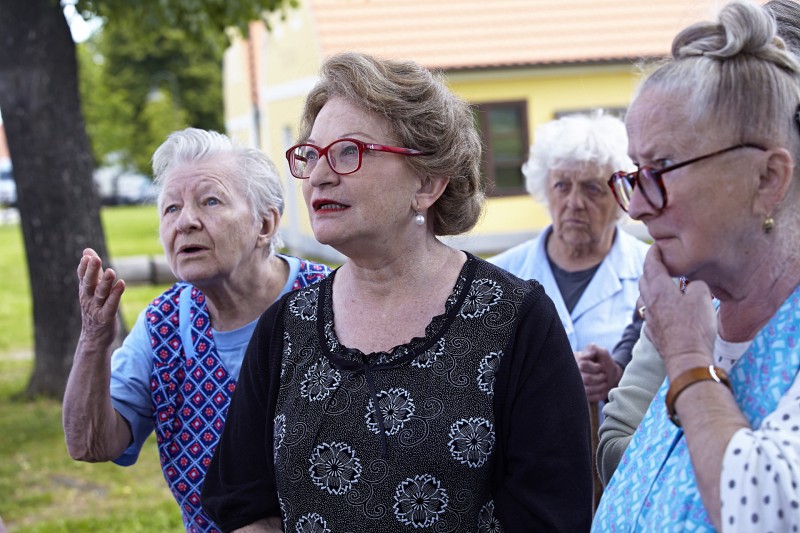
x,y
716,134
420,387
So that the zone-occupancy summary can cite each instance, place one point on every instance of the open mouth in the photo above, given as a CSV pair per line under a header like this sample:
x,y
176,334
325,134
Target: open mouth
x,y
328,205
190,249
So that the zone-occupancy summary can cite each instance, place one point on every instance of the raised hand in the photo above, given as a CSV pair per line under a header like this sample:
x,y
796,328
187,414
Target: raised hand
x,y
681,324
94,430
99,292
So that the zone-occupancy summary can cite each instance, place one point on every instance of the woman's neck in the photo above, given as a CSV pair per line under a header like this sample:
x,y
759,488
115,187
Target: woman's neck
x,y
379,307
401,271
746,307
576,258
235,303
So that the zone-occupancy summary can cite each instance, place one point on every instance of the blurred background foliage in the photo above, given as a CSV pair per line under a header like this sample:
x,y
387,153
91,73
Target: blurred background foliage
x,y
136,90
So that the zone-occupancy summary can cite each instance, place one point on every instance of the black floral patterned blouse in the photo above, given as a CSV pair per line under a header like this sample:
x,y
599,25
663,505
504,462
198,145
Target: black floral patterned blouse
x,y
420,438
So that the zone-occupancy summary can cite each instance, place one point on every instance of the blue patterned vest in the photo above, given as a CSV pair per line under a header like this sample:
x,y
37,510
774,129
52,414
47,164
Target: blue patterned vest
x,y
191,394
654,487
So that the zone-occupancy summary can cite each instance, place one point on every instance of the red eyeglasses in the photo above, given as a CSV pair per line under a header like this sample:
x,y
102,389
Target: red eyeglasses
x,y
344,156
651,182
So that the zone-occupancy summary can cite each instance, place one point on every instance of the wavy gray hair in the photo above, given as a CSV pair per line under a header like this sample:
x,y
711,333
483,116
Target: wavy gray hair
x,y
256,171
424,114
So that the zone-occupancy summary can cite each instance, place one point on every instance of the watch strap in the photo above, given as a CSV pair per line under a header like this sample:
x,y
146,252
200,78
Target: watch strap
x,y
689,378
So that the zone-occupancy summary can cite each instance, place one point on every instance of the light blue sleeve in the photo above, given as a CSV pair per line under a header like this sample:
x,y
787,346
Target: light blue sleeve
x,y
130,387
522,259
504,260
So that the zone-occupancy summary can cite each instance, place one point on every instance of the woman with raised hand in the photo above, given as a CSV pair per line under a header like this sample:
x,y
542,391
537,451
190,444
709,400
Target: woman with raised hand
x,y
220,206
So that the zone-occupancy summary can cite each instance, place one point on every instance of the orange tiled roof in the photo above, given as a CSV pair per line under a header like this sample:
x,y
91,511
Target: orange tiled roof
x,y
459,34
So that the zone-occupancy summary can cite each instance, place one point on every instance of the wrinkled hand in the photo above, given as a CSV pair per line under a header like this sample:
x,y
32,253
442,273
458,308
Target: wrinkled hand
x,y
599,372
99,292
681,325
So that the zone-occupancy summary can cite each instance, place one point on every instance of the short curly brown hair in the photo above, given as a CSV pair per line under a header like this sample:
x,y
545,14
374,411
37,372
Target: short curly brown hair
x,y
424,114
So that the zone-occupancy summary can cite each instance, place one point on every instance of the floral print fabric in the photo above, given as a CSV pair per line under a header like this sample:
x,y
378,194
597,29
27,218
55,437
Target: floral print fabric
x,y
402,441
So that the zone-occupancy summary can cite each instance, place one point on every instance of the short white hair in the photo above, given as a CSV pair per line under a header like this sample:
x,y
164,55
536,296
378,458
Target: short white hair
x,y
596,138
256,172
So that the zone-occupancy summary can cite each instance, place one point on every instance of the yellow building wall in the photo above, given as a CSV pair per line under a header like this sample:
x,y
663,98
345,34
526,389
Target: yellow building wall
x,y
547,92
235,97
291,60
288,59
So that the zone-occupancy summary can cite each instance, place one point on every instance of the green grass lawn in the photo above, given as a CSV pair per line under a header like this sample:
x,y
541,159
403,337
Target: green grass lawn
x,y
41,488
129,231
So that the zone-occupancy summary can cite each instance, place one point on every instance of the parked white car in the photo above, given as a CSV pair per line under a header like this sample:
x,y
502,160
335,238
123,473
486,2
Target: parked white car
x,y
116,185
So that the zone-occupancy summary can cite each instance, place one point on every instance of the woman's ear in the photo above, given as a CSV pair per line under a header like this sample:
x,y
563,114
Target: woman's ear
x,y
774,181
269,227
430,189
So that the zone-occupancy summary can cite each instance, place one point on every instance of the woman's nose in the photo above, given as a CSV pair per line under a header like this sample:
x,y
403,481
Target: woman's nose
x,y
188,219
575,199
322,173
639,207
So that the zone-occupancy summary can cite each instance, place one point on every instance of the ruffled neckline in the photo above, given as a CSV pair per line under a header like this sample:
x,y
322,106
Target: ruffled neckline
x,y
341,355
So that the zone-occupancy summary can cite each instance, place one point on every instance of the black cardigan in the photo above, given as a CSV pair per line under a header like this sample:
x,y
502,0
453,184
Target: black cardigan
x,y
542,479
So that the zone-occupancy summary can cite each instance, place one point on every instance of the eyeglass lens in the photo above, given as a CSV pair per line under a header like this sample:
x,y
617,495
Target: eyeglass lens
x,y
648,179
343,156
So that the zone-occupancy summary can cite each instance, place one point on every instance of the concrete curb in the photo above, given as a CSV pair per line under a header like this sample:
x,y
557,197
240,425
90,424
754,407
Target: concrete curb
x,y
135,269
138,269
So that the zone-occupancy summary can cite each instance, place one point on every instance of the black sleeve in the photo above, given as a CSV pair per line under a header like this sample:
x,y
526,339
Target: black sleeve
x,y
543,475
239,487
623,350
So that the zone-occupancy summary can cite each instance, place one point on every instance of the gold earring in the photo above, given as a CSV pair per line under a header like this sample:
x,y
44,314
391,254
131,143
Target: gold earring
x,y
768,225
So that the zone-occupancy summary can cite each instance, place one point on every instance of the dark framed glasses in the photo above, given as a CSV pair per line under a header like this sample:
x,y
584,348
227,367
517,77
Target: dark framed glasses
x,y
344,156
650,180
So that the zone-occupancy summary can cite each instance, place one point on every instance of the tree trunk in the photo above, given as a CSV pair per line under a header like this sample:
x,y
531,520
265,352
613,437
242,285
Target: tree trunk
x,y
59,210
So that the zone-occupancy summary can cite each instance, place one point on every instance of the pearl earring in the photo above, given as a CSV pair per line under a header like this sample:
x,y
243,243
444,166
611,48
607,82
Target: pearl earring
x,y
419,219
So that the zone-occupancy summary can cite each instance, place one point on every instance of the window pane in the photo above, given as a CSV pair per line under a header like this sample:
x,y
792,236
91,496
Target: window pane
x,y
505,125
508,178
505,136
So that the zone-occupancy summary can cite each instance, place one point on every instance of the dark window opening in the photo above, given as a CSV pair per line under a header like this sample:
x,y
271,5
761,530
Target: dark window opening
x,y
504,129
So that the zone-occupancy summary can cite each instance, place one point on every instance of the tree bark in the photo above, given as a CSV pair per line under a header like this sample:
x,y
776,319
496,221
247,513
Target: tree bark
x,y
50,151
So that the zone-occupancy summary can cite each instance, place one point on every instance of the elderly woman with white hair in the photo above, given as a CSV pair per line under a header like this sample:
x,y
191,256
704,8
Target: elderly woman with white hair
x,y
220,206
587,264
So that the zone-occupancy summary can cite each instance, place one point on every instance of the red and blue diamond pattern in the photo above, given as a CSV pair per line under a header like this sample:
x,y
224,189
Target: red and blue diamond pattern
x,y
190,397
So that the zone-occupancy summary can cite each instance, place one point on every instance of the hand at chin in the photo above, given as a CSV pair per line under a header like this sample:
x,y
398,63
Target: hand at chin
x,y
682,325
